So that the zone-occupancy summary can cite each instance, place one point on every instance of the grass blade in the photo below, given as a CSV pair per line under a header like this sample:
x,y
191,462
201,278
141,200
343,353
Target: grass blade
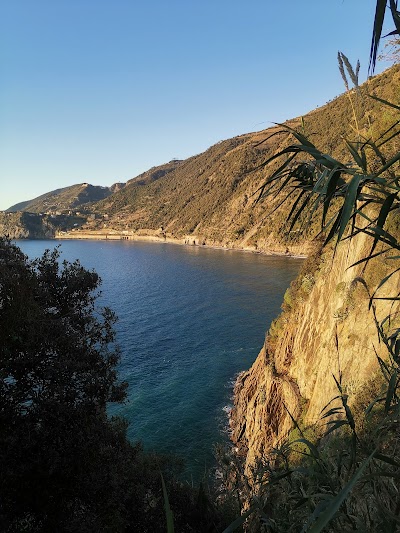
x,y
333,507
389,164
391,392
336,424
349,203
168,513
385,102
360,160
376,33
239,521
383,214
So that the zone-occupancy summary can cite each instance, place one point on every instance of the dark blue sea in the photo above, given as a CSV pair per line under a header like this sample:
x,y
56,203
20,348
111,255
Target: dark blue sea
x,y
190,319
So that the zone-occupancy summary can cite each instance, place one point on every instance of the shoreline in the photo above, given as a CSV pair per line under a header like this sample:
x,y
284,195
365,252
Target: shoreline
x,y
190,241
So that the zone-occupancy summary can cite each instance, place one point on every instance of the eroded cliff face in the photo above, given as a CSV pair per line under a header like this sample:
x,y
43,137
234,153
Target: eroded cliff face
x,y
326,329
24,225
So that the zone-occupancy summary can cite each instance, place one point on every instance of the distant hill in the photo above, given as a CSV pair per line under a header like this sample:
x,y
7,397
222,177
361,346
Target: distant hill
x,y
210,198
66,199
27,225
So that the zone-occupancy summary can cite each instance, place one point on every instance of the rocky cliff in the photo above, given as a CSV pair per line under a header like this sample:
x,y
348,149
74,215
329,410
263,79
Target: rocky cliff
x,y
326,329
22,225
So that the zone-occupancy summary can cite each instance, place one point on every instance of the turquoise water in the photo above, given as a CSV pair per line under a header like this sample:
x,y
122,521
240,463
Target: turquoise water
x,y
190,319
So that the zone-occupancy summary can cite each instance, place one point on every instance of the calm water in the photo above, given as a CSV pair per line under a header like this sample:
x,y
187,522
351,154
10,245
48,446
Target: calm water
x,y
190,319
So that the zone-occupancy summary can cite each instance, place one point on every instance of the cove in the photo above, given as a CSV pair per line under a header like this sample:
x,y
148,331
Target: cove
x,y
190,319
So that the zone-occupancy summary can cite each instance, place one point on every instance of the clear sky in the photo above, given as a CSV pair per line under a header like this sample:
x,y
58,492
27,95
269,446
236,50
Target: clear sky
x,y
99,91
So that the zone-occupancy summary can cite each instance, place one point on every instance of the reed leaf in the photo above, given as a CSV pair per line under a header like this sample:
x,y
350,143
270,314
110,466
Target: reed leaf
x,y
334,505
168,513
395,15
391,392
376,33
383,281
359,159
333,411
389,164
372,405
336,424
366,259
383,214
349,204
239,521
387,459
313,449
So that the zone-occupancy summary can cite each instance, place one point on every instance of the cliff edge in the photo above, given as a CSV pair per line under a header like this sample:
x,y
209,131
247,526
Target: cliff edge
x,y
326,329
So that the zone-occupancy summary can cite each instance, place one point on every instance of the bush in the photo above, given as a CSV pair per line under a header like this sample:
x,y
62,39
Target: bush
x,y
65,466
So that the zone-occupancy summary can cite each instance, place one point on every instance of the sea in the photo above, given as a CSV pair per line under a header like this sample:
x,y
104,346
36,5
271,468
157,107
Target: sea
x,y
190,318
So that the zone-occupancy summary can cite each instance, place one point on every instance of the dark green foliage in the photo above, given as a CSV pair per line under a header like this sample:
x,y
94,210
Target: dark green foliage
x,y
380,12
57,375
65,466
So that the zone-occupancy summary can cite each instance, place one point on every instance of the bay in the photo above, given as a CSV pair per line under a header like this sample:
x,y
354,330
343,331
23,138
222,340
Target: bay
x,y
190,319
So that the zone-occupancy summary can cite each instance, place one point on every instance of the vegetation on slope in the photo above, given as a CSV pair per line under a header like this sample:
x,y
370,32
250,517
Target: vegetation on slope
x,y
342,474
26,225
66,199
67,467
212,195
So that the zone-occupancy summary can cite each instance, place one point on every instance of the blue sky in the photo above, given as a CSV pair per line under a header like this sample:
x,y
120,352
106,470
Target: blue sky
x,y
102,90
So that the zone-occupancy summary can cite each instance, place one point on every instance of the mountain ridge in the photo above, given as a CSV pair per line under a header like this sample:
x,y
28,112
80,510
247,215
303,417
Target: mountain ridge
x,y
211,198
65,198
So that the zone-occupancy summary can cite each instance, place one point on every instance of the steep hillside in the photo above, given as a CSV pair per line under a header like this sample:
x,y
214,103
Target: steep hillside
x,y
66,199
313,340
210,197
154,173
320,404
21,225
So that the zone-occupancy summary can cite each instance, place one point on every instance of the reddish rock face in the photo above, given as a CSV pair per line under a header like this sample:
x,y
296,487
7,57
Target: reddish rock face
x,y
327,328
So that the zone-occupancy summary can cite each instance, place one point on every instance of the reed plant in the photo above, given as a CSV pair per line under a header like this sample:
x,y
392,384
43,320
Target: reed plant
x,y
344,475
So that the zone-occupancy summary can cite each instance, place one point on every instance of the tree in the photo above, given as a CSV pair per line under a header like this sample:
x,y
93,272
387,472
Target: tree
x,y
65,466
60,456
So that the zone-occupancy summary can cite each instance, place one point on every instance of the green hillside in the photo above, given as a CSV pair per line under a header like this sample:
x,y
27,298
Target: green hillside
x,y
212,195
